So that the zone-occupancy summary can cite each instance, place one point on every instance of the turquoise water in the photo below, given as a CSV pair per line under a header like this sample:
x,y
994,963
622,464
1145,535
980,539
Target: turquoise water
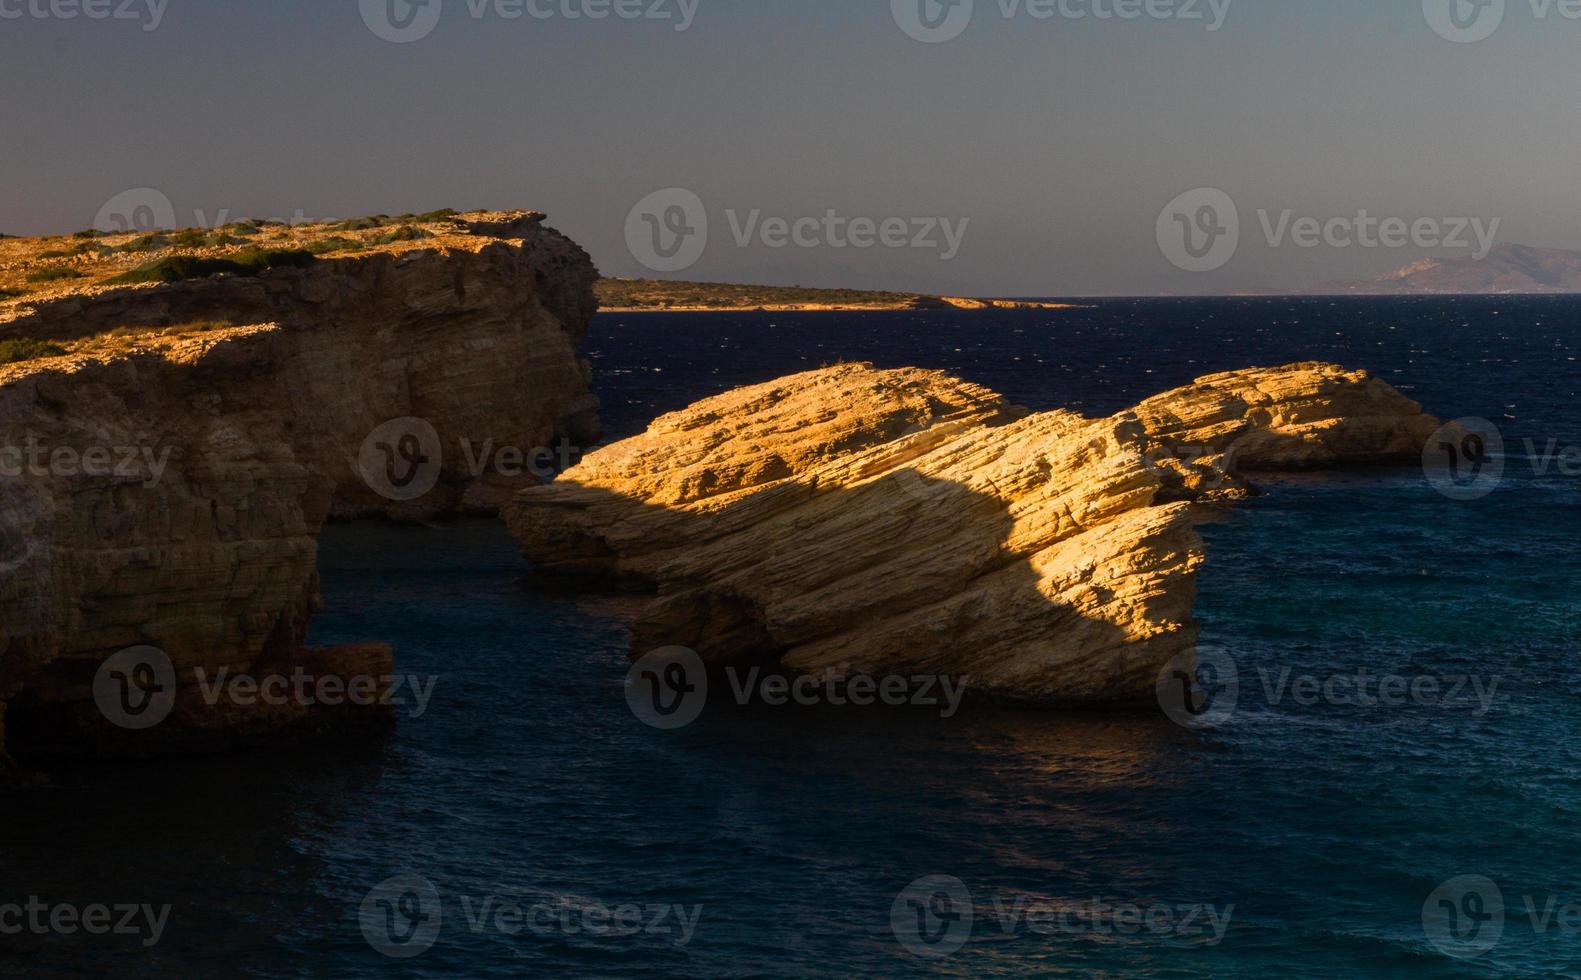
x,y
1315,829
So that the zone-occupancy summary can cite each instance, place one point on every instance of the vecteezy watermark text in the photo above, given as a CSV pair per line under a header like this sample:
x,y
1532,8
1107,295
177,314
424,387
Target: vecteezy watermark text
x,y
40,918
136,689
403,459
1200,231
405,21
150,12
402,917
937,21
565,917
935,916
306,688
668,231
1206,688
143,464
147,210
668,689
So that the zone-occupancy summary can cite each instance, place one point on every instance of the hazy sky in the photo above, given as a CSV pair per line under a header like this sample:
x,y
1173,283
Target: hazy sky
x,y
1059,141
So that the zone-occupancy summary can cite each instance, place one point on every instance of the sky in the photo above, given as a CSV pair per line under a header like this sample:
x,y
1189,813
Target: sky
x,y
1016,149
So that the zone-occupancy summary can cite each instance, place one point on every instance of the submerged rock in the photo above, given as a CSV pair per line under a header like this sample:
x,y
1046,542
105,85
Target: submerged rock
x,y
858,521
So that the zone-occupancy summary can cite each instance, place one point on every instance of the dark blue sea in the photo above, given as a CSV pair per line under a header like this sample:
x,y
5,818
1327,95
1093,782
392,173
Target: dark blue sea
x,y
544,831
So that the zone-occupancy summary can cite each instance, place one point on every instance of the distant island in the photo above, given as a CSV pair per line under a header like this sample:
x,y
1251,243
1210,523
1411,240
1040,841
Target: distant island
x,y
655,295
1506,269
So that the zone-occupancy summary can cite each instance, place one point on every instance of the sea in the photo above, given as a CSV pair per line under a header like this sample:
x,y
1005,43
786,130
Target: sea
x,y
1387,782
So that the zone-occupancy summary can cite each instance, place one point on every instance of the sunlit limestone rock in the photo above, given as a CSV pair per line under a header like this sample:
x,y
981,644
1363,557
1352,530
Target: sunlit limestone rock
x,y
195,435
859,521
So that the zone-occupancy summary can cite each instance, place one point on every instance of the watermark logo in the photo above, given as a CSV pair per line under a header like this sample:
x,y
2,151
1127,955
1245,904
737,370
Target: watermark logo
x,y
1464,460
1464,21
141,209
1464,917
1199,689
136,688
932,21
401,21
1467,916
667,688
1200,230
401,916
932,916
667,231
1207,691
145,210
401,459
150,12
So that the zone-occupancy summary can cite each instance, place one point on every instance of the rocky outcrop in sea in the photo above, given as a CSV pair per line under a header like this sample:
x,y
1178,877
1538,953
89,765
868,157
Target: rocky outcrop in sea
x,y
171,450
855,521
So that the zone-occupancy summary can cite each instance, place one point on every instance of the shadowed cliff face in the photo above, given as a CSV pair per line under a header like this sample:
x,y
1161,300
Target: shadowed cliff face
x,y
163,483
1050,557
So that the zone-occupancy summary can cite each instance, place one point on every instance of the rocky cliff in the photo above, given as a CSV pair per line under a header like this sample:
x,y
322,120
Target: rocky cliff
x,y
170,450
903,522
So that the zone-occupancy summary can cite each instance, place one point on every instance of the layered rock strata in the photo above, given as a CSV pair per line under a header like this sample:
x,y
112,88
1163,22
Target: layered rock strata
x,y
166,467
858,521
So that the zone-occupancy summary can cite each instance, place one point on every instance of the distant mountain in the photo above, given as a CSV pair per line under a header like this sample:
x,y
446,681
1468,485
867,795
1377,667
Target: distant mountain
x,y
1505,269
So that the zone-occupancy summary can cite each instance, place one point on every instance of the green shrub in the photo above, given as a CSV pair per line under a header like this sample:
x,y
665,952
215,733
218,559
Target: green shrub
x,y
9,293
262,260
56,253
246,263
405,233
439,215
25,349
90,233
384,221
146,243
198,238
335,243
54,273
363,224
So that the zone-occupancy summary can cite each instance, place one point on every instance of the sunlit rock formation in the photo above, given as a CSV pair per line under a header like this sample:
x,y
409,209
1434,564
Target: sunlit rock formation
x,y
902,522
171,451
